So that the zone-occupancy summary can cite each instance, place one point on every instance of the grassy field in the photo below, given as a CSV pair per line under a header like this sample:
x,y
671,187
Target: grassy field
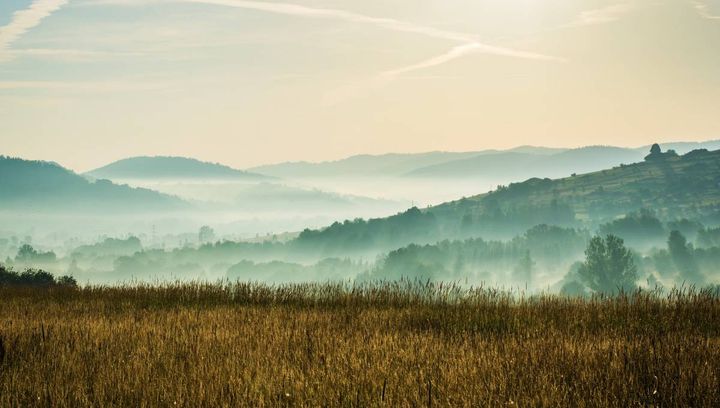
x,y
393,345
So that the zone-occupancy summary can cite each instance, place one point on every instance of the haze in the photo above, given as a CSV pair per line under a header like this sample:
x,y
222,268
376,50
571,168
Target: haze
x,y
86,82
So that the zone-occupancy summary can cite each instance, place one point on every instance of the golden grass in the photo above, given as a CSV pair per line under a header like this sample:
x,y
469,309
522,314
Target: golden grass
x,y
197,345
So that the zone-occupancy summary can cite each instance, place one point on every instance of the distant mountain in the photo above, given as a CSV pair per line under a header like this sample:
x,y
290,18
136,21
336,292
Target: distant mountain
x,y
538,150
674,187
517,163
175,168
361,166
267,197
513,165
43,186
508,164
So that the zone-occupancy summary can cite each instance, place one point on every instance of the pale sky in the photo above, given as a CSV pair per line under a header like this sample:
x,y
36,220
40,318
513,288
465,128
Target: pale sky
x,y
86,82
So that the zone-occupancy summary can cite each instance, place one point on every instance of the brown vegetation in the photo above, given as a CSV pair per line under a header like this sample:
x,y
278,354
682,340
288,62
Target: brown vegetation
x,y
333,345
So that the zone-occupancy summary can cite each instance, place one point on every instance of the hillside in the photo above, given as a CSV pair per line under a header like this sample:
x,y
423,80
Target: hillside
x,y
43,186
673,186
513,165
178,168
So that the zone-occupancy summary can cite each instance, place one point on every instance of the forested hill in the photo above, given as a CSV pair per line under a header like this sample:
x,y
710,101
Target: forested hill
x,y
44,186
673,186
149,168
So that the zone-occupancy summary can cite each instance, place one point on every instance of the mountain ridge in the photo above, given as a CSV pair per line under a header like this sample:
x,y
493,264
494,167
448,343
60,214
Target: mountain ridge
x,y
43,186
170,167
407,164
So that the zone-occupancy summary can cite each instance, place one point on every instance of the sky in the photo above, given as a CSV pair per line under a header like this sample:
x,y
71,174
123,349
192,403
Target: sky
x,y
241,82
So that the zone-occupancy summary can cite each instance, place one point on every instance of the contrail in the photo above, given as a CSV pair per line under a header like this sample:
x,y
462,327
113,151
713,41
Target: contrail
x,y
458,52
24,20
386,23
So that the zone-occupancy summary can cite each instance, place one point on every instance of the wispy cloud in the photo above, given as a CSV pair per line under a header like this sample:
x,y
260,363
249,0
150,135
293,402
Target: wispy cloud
x,y
386,23
24,20
466,43
454,53
358,89
602,15
469,43
704,10
336,14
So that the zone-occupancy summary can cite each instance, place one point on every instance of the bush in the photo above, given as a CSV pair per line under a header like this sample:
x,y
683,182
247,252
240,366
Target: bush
x,y
67,280
34,277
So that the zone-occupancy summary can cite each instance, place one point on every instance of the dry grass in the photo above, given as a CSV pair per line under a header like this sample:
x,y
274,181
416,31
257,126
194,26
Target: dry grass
x,y
330,345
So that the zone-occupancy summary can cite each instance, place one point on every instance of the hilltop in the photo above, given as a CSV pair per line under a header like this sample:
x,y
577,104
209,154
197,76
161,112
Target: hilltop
x,y
29,185
673,186
166,167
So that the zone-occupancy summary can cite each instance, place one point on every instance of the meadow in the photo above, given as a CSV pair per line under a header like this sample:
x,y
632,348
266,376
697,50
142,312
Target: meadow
x,y
402,344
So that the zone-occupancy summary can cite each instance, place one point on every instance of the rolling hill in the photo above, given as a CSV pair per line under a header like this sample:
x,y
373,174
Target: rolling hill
x,y
673,186
512,164
173,168
361,165
43,186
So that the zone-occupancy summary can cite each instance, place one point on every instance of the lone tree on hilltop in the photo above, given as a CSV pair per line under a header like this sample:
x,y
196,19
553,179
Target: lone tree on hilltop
x,y
655,152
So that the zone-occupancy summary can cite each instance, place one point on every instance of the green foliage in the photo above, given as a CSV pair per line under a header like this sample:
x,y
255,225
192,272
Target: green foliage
x,y
522,272
573,288
682,256
413,225
637,228
33,277
29,255
709,237
509,262
609,266
688,228
326,270
109,246
206,234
